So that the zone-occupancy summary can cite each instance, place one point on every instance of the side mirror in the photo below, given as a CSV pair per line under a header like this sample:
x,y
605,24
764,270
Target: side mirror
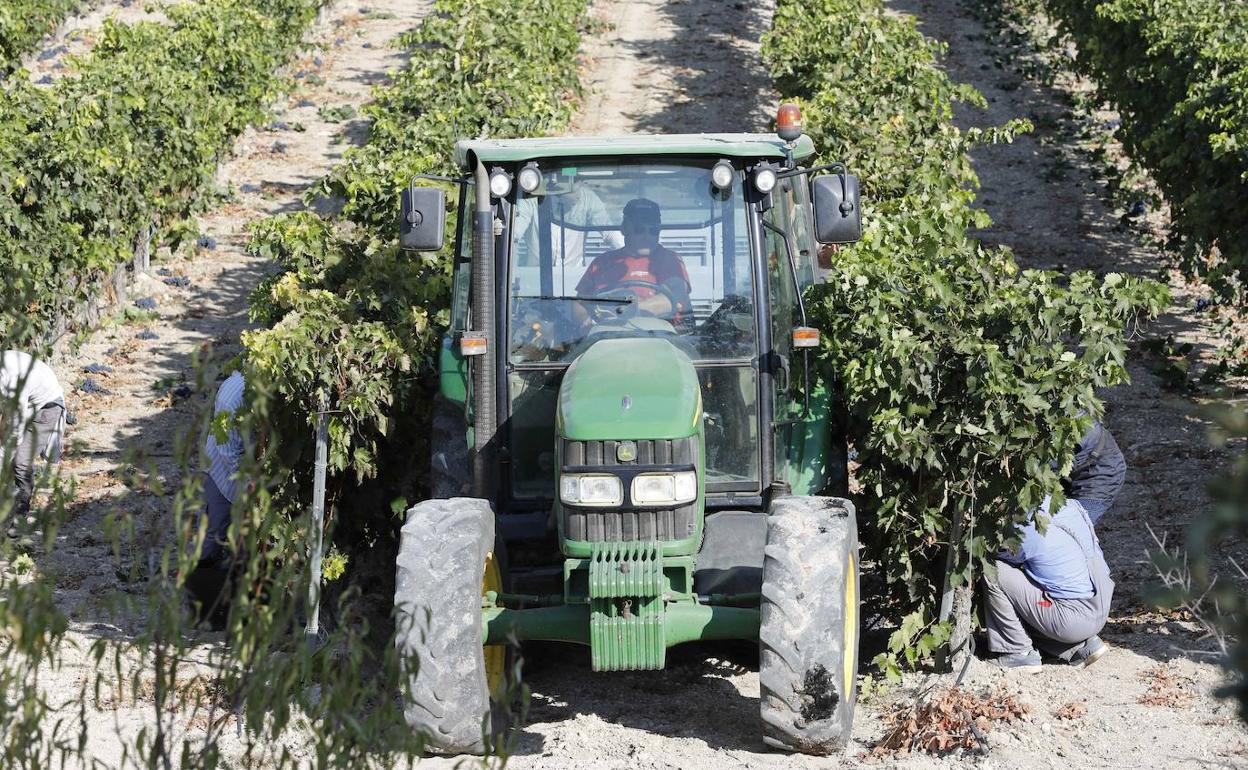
x,y
422,223
838,212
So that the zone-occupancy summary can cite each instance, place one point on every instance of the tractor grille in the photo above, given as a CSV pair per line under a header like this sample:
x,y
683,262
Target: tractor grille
x,y
598,525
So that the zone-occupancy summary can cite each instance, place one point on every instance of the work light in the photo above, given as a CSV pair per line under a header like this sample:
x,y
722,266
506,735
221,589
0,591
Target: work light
x,y
765,179
530,178
722,174
500,183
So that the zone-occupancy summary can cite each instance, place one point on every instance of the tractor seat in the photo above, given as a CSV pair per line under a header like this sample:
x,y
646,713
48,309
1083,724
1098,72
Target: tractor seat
x,y
731,559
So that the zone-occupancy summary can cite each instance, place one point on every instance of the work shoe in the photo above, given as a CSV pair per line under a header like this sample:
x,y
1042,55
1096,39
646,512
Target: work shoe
x,y
1028,662
1091,651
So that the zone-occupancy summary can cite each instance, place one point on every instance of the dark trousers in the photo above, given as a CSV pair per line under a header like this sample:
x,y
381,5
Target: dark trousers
x,y
36,437
1095,508
217,511
210,583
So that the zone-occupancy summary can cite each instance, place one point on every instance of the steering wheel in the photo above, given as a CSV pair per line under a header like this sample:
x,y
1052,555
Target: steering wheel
x,y
536,331
638,284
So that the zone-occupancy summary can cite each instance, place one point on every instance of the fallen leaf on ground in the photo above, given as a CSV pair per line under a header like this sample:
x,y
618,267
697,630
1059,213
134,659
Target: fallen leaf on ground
x,y
943,721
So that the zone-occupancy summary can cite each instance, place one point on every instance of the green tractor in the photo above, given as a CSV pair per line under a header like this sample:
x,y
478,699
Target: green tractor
x,y
631,448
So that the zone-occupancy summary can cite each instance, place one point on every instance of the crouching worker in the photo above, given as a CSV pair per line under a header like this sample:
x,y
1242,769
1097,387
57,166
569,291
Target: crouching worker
x,y
1052,595
209,582
32,425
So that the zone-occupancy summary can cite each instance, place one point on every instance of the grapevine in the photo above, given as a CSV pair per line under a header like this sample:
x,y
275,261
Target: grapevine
x,y
350,316
1178,72
127,140
24,22
966,380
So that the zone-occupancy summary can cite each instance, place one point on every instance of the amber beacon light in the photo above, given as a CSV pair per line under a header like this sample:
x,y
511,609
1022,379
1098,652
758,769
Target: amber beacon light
x,y
789,122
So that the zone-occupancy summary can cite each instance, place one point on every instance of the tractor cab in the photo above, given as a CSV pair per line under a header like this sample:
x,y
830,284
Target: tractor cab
x,y
627,404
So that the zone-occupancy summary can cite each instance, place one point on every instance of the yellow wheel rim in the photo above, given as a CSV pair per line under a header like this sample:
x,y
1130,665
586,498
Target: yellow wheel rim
x,y
495,654
850,631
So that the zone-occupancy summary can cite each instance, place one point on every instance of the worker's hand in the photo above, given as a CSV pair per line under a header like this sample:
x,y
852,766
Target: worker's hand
x,y
608,312
657,305
826,253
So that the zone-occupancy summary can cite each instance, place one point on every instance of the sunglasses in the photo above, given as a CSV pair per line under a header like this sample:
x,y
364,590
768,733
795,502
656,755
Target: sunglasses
x,y
640,227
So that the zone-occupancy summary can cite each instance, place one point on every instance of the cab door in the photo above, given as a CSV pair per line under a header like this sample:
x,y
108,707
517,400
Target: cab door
x,y
805,458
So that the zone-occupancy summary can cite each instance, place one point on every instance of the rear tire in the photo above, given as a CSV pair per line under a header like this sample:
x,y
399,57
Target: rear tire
x,y
808,640
437,600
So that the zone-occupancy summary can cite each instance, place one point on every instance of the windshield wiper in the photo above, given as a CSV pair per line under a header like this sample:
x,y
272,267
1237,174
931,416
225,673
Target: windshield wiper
x,y
615,300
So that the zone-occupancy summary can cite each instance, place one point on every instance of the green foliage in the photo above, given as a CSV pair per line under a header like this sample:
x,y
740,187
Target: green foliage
x,y
23,23
964,377
334,566
352,319
1178,72
336,114
351,324
127,140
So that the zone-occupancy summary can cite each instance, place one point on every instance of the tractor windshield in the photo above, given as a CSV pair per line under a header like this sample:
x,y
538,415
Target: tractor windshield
x,y
631,249
607,248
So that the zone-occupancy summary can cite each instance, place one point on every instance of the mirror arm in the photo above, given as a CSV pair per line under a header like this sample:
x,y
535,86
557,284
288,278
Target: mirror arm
x,y
436,178
801,309
459,180
839,167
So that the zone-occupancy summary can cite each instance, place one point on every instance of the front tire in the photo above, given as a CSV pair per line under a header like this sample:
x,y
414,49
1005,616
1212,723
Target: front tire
x,y
808,662
445,563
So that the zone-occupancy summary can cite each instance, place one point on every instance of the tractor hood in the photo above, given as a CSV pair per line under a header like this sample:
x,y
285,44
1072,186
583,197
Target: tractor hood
x,y
631,388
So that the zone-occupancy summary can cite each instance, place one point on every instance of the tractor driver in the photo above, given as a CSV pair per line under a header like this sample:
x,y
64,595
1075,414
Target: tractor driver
x,y
655,276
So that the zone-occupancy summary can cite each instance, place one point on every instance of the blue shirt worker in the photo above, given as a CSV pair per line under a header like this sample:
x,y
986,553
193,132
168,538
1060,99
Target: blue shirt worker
x,y
1098,472
221,476
32,416
209,584
1052,595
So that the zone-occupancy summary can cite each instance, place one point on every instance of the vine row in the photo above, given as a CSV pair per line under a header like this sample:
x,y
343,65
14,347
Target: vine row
x,y
23,23
966,380
1178,73
350,317
91,162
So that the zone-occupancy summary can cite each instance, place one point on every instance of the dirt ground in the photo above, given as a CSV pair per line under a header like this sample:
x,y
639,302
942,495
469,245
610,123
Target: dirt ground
x,y
690,65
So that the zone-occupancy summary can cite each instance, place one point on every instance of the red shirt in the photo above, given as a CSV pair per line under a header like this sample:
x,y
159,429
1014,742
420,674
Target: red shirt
x,y
615,267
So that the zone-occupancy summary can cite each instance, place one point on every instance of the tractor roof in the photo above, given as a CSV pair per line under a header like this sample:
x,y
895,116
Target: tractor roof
x,y
717,145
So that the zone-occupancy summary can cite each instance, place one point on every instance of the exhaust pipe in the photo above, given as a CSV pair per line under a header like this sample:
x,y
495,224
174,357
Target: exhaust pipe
x,y
485,422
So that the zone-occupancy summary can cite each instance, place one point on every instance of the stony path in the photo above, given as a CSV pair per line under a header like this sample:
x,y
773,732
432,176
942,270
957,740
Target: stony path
x,y
685,66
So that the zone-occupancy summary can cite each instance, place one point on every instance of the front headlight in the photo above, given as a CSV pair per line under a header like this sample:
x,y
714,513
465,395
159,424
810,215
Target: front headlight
x,y
665,488
591,489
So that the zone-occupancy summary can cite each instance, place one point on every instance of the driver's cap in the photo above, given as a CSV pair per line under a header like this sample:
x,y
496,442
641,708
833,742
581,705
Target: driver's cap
x,y
643,210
